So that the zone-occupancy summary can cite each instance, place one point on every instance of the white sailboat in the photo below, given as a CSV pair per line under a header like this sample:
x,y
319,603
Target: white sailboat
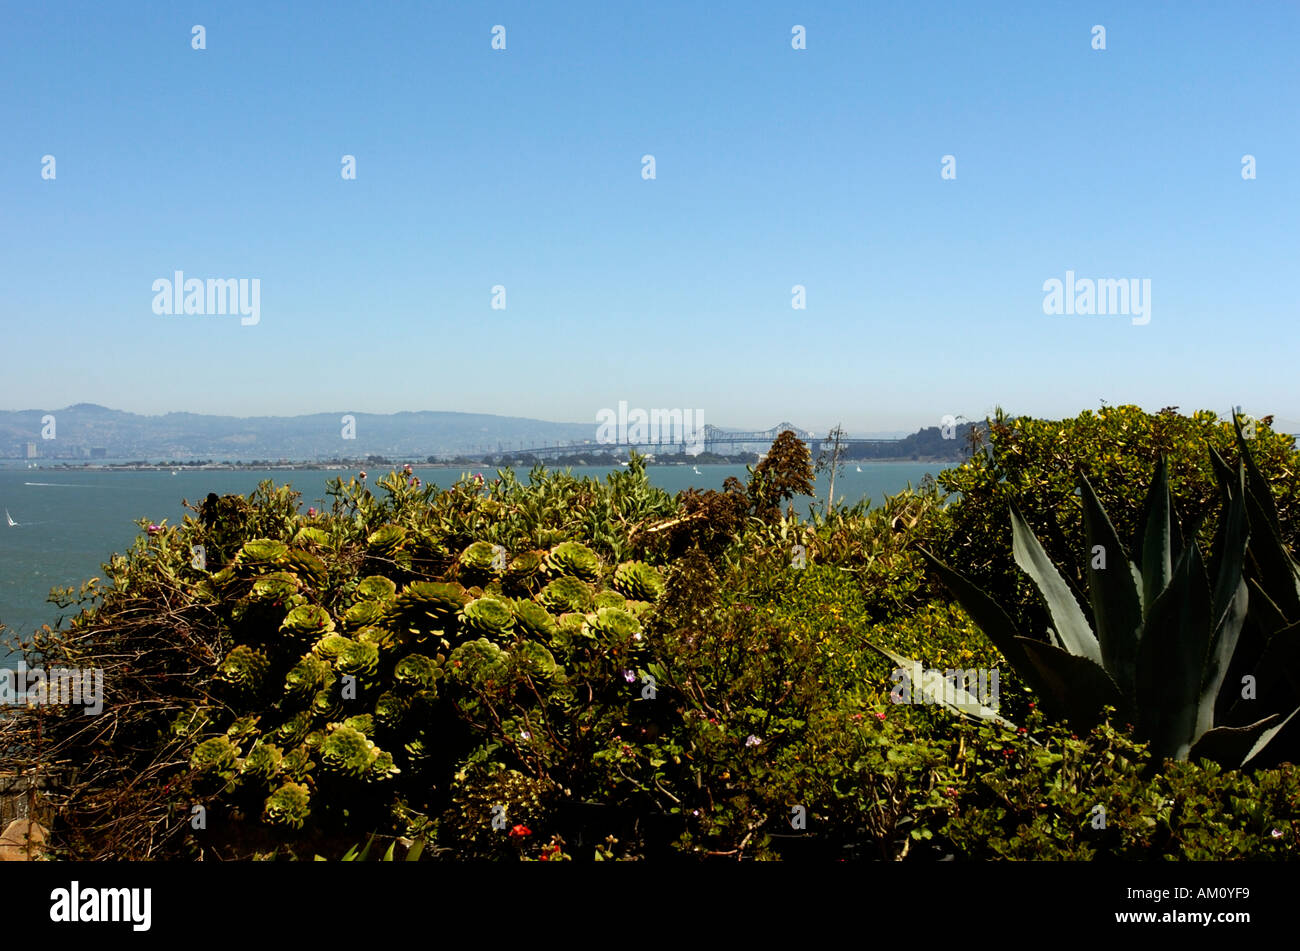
x,y
859,468
697,470
10,519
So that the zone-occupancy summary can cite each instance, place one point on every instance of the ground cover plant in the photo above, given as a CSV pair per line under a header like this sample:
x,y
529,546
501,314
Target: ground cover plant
x,y
556,668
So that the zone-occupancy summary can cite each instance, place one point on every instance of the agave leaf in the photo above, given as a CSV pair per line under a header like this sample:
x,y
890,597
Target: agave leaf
x,y
1234,746
415,851
1281,659
1171,659
1268,736
1067,617
983,610
944,693
388,856
1156,550
1116,593
1277,570
1223,644
1076,687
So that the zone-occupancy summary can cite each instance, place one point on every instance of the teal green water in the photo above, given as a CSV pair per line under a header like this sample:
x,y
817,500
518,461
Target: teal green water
x,y
70,522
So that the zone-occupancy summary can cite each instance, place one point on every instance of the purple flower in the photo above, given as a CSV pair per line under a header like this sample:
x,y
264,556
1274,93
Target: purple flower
x,y
407,468
752,740
629,676
311,512
1276,833
525,735
154,529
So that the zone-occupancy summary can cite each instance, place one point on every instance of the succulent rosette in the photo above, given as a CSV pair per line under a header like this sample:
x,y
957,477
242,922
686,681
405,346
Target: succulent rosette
x,y
638,581
575,559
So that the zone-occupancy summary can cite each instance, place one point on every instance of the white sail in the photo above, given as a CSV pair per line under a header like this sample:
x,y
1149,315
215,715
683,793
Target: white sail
x,y
10,519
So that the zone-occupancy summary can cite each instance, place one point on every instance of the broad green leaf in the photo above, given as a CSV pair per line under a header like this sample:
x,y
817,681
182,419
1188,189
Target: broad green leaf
x,y
943,692
1115,591
1234,746
1171,659
983,610
1156,553
1067,617
1073,686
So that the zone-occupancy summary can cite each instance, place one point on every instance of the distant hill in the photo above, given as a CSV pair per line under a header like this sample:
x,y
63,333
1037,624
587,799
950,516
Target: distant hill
x,y
86,426
86,431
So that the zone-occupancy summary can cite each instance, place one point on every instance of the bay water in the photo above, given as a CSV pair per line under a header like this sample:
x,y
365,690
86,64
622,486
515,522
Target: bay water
x,y
69,521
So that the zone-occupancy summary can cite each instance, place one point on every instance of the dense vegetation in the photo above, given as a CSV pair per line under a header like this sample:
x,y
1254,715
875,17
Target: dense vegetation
x,y
570,669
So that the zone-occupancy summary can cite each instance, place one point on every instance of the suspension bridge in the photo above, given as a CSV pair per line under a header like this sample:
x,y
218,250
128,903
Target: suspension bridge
x,y
712,439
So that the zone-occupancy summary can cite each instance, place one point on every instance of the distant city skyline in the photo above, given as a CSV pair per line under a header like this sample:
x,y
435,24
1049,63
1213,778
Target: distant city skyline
x,y
826,213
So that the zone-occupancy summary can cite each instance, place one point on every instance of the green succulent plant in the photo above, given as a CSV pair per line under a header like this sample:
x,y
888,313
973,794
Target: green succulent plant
x,y
309,535
296,764
263,762
613,624
358,660
307,621
417,672
376,588
362,723
1164,637
575,559
524,570
609,599
217,753
293,730
567,594
386,539
487,615
364,614
390,710
243,730
191,722
534,619
263,552
277,586
288,807
347,752
308,567
310,674
245,669
483,559
535,660
327,704
638,581
479,662
382,768
430,605
332,646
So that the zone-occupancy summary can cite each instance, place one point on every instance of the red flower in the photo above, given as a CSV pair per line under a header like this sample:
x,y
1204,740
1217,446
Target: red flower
x,y
520,831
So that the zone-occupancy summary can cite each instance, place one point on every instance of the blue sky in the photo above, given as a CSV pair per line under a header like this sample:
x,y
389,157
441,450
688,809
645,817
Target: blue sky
x,y
774,166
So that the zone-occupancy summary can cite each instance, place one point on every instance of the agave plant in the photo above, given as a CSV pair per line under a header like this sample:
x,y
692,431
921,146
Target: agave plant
x,y
1164,637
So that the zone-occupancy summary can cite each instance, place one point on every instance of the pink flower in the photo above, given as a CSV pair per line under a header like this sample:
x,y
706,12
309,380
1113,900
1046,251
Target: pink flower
x,y
154,529
311,512
629,676
407,468
880,716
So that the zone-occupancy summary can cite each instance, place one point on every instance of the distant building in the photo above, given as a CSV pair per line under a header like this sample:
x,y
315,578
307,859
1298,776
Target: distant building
x,y
99,452
31,450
